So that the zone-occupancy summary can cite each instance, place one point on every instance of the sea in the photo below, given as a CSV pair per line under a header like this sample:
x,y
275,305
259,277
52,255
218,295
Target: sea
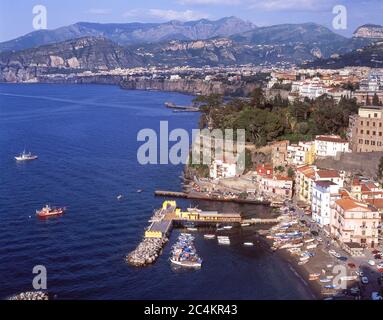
x,y
86,139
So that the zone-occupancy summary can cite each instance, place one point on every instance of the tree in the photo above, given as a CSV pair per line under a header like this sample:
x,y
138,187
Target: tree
x,y
380,170
258,98
376,101
290,172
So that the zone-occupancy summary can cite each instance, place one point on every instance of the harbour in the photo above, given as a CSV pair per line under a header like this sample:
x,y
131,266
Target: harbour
x,y
168,216
88,245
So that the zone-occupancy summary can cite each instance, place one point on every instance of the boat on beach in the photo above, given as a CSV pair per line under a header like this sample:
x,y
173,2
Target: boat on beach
x,y
48,211
26,156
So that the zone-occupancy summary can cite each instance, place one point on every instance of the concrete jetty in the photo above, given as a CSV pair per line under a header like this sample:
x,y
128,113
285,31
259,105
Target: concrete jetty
x,y
161,223
204,196
155,237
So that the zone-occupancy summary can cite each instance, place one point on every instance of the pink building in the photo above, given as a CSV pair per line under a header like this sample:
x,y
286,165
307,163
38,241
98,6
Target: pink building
x,y
355,223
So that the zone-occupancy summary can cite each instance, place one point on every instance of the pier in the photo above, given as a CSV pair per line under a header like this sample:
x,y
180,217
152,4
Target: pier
x,y
203,196
177,108
161,224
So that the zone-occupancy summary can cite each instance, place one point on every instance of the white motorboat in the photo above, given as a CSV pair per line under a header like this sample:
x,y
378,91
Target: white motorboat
x,y
26,156
248,244
209,236
187,263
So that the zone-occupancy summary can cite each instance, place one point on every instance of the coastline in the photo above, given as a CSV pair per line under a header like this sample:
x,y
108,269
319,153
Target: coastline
x,y
301,272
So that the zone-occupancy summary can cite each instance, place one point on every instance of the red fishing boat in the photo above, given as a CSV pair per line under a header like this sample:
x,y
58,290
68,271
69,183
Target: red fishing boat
x,y
47,211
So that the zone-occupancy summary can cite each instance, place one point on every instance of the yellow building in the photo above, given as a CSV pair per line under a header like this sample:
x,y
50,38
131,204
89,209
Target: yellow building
x,y
305,177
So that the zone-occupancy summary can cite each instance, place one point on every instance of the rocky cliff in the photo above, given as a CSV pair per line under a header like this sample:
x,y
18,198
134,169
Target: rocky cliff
x,y
369,31
190,86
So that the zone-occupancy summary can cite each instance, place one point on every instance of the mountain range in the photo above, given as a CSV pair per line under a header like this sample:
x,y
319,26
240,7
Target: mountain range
x,y
369,56
132,33
228,41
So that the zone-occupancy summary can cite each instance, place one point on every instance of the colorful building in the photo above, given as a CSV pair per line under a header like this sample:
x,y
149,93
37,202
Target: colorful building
x,y
354,223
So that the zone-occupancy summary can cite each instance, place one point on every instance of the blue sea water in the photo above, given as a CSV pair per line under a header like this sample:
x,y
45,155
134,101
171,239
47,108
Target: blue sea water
x,y
85,137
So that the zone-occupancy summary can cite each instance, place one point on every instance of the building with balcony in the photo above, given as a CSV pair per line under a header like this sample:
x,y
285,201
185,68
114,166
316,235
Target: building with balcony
x,y
324,195
354,223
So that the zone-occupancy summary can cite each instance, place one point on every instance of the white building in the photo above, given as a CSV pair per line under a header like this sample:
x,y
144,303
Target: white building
x,y
312,89
329,146
175,77
324,195
334,176
300,154
221,169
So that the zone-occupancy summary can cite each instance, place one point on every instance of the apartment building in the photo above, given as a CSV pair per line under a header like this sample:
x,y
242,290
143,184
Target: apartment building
x,y
324,195
366,130
354,223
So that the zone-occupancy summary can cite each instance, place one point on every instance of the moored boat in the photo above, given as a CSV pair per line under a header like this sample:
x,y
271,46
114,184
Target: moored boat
x,y
209,236
248,244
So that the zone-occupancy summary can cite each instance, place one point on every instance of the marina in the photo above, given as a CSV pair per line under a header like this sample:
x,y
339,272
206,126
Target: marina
x,y
161,223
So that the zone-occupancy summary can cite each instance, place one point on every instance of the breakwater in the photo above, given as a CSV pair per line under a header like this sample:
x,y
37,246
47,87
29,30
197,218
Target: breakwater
x,y
203,196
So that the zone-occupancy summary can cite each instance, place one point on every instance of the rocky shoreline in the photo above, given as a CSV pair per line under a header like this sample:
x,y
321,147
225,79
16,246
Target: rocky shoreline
x,y
146,252
30,295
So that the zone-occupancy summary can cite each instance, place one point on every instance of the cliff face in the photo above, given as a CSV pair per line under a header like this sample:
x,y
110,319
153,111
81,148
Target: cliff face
x,y
65,57
369,31
190,86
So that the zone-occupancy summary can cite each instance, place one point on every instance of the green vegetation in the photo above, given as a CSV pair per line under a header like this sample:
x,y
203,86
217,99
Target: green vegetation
x,y
380,170
291,173
266,120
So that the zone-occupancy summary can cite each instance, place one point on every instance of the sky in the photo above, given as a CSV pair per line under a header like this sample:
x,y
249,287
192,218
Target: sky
x,y
16,15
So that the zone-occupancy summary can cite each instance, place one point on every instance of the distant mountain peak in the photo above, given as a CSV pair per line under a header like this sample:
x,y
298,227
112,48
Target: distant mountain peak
x,y
133,33
369,31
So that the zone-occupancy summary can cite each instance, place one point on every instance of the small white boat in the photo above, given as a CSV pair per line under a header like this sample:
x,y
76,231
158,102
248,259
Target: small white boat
x,y
209,236
248,244
26,156
139,190
245,224
192,229
228,227
119,197
223,240
187,264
